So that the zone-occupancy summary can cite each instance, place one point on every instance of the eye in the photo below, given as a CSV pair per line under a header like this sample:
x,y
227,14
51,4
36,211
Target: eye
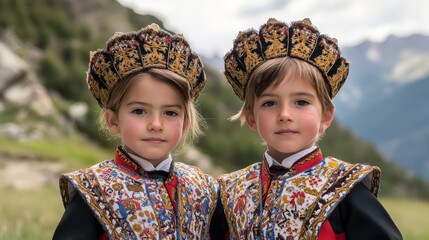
x,y
138,111
171,113
302,103
268,103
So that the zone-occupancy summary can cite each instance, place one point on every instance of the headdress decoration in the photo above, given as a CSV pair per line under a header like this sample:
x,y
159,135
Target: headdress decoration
x,y
150,47
276,39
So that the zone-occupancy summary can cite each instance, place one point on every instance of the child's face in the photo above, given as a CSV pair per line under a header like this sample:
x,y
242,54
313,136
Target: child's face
x,y
289,117
150,119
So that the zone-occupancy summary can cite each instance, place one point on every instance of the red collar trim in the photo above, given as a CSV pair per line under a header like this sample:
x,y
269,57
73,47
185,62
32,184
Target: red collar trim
x,y
306,162
124,160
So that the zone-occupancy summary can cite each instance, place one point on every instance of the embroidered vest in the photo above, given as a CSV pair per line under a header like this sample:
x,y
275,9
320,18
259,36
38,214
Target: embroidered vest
x,y
132,206
296,204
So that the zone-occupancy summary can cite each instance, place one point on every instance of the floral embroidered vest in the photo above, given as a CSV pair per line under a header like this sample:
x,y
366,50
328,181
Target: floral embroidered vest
x,y
129,205
260,205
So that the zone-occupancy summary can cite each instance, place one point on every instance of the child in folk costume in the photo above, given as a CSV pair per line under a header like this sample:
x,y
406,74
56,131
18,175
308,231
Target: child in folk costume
x,y
146,83
287,77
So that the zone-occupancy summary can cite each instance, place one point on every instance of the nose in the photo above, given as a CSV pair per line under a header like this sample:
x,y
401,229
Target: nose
x,y
155,123
284,113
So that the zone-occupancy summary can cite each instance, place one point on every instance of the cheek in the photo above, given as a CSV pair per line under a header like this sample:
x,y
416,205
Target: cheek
x,y
312,122
132,125
263,122
176,128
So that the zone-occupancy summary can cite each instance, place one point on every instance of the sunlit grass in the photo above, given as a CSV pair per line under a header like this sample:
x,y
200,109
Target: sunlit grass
x,y
410,215
29,214
76,151
34,214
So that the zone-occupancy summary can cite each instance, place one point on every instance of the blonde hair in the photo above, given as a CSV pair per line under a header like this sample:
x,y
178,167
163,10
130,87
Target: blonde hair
x,y
193,122
272,72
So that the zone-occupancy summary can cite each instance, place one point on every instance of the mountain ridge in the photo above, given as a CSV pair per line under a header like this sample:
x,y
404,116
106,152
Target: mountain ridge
x,y
385,101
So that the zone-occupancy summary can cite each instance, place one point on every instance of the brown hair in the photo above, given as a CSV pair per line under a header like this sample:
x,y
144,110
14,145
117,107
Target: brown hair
x,y
193,122
272,72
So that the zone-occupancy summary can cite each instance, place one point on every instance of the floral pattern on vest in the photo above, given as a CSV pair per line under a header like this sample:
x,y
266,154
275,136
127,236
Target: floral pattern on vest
x,y
259,205
129,205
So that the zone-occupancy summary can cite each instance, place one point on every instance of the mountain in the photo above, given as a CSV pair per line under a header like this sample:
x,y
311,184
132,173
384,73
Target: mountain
x,y
385,98
43,93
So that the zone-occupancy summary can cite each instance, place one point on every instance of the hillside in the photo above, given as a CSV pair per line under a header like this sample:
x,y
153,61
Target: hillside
x,y
53,61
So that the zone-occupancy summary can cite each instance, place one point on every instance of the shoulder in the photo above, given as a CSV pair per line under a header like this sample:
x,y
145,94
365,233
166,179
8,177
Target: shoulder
x,y
334,160
186,167
239,174
101,165
184,170
70,182
358,172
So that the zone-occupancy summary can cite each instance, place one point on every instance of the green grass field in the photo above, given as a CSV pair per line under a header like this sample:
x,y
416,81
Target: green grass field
x,y
29,214
34,214
411,217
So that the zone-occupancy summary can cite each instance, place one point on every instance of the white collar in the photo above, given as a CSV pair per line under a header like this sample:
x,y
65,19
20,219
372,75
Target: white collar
x,y
289,161
147,166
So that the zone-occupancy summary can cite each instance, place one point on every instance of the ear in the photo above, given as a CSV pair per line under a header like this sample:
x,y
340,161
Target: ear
x,y
111,121
251,122
328,117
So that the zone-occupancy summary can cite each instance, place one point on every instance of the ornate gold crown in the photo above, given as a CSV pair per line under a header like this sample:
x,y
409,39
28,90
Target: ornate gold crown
x,y
276,39
150,47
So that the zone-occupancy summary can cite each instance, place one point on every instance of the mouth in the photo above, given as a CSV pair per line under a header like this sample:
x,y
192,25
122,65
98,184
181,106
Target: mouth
x,y
154,140
286,132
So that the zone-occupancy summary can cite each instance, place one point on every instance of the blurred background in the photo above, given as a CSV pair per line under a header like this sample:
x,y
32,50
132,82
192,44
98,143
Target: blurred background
x,y
48,120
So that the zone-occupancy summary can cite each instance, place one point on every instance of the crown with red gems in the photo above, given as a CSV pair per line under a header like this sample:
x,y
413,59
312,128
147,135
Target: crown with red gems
x,y
150,47
276,39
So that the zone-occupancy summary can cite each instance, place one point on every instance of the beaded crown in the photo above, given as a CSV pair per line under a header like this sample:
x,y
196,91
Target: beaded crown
x,y
150,47
276,39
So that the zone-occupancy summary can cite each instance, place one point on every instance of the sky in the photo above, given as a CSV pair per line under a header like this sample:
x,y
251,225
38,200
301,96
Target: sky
x,y
211,26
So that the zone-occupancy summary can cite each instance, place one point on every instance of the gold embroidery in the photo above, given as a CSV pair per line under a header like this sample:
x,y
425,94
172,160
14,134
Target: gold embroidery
x,y
155,54
337,79
194,69
252,48
248,50
276,48
303,42
233,68
150,47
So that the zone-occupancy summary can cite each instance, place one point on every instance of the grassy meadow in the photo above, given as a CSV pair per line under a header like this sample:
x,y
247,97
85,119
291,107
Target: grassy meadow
x,y
410,215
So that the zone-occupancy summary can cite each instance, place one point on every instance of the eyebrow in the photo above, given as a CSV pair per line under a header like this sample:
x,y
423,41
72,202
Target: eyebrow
x,y
294,94
304,94
146,104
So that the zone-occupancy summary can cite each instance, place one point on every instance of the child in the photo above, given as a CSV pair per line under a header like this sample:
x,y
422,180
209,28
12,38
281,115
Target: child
x,y
146,83
287,77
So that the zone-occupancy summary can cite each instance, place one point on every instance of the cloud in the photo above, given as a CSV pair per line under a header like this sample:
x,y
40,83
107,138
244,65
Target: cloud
x,y
264,7
211,26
